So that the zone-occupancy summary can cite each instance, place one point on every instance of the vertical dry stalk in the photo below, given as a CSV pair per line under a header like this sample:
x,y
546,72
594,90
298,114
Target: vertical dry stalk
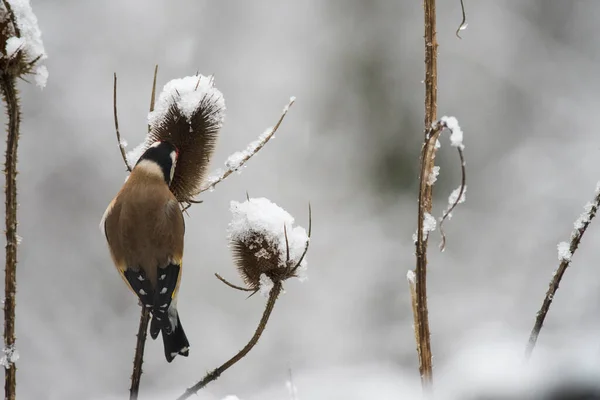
x,y
9,93
214,374
425,193
140,345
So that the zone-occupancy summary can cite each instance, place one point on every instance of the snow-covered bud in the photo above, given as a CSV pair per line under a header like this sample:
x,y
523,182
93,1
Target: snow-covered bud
x,y
265,245
189,113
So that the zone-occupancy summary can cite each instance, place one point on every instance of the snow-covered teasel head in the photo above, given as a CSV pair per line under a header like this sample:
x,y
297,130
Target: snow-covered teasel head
x,y
189,113
267,248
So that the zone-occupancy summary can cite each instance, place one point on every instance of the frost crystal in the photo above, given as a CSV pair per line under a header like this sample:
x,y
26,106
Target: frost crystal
x,y
11,356
456,138
564,252
266,284
433,175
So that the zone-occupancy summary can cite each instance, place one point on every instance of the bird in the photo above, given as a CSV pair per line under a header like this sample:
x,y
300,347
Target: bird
x,y
144,229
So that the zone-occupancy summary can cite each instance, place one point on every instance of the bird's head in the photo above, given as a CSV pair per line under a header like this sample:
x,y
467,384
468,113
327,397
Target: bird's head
x,y
160,159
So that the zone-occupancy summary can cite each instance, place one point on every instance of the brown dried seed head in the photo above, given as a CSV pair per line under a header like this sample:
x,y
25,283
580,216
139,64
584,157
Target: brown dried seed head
x,y
255,255
264,241
189,114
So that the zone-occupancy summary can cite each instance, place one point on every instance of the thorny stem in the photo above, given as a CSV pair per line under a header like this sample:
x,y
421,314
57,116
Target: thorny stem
x,y
264,141
9,93
214,374
558,274
425,194
138,359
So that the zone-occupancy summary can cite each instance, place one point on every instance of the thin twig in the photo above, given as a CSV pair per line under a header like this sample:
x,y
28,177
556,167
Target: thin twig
x,y
9,94
463,185
121,147
212,182
138,360
231,285
425,195
153,95
580,227
214,374
463,23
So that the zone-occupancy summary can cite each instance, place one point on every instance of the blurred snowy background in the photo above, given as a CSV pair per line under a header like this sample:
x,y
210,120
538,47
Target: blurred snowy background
x,y
523,83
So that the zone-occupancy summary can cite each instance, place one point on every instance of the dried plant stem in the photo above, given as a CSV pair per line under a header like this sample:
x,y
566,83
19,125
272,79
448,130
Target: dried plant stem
x,y
576,236
425,194
138,359
214,374
212,183
9,94
121,147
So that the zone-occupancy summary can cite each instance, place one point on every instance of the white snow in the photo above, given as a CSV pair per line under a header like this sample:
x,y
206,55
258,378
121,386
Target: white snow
x,y
564,252
454,196
428,224
597,192
30,40
583,219
456,137
14,44
41,76
433,175
187,94
10,356
411,277
266,284
237,159
134,155
261,216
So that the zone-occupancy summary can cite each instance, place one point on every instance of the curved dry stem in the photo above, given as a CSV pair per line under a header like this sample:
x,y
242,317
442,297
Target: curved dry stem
x,y
463,23
138,359
307,242
463,183
214,374
576,236
231,285
11,99
212,182
121,147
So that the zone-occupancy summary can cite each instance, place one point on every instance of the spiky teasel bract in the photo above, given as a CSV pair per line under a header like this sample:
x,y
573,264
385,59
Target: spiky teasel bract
x,y
265,244
189,113
21,47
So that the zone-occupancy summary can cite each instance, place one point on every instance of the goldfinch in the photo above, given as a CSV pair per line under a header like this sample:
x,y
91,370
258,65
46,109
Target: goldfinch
x,y
144,228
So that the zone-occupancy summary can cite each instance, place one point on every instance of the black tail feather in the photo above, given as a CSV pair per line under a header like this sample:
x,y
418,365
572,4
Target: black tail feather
x,y
175,342
155,326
